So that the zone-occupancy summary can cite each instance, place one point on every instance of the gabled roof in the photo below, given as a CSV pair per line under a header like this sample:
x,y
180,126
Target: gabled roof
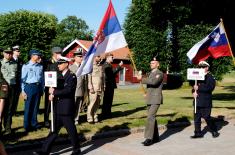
x,y
83,43
122,53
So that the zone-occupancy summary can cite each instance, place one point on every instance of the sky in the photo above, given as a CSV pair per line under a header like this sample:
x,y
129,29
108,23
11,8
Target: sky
x,y
92,11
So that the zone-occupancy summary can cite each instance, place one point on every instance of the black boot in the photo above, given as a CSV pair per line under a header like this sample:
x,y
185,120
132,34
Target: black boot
x,y
215,134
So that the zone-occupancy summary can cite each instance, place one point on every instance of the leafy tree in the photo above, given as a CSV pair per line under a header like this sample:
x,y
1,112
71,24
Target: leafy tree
x,y
69,29
30,30
143,39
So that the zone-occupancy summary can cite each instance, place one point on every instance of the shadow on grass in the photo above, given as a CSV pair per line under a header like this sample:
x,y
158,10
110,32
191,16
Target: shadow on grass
x,y
106,137
116,114
229,88
220,123
119,104
175,126
224,96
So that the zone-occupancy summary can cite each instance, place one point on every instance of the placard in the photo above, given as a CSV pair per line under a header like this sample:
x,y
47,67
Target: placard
x,y
50,79
195,74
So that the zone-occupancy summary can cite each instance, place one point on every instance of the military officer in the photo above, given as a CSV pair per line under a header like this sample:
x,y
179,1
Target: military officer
x,y
19,61
64,109
154,99
80,89
3,95
110,85
203,92
32,87
9,72
51,66
96,88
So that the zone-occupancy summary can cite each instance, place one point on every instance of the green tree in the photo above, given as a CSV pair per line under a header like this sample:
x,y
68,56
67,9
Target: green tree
x,y
143,39
30,30
69,29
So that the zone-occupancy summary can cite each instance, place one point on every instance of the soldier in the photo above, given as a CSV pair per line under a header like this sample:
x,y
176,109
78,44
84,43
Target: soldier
x,y
64,109
3,95
154,99
32,86
9,72
80,89
110,85
51,66
203,92
96,88
19,61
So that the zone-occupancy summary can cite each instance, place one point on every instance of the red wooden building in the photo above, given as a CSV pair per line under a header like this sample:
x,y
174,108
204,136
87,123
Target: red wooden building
x,y
126,76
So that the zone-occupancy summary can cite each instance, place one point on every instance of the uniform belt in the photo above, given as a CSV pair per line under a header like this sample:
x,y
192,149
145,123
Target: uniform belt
x,y
36,83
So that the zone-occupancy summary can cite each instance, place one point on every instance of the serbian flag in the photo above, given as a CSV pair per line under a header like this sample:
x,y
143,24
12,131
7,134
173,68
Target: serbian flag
x,y
108,38
215,45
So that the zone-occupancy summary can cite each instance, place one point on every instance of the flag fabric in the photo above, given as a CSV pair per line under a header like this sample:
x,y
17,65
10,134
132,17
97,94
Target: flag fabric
x,y
214,45
108,38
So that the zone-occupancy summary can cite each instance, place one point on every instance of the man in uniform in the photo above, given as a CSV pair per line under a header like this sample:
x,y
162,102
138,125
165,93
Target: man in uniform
x,y
9,72
154,99
51,66
96,88
32,86
80,89
203,93
110,85
64,109
19,61
3,95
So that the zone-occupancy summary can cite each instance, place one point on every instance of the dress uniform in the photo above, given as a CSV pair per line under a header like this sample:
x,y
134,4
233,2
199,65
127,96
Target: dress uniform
x,y
9,72
80,88
51,66
203,93
32,86
3,95
110,85
96,88
153,99
19,61
64,109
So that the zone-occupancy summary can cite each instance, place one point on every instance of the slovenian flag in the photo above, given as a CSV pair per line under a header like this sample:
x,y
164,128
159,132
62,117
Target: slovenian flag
x,y
108,38
214,45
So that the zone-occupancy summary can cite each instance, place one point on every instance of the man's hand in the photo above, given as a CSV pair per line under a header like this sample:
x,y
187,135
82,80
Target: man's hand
x,y
51,97
51,90
24,95
195,95
121,63
195,87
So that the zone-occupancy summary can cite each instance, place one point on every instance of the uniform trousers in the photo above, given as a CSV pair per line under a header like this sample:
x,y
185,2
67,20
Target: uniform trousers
x,y
203,112
107,102
9,107
68,122
78,105
93,106
151,127
31,105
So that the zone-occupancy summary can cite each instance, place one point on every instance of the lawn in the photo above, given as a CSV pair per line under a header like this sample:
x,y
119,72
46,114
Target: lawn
x,y
129,110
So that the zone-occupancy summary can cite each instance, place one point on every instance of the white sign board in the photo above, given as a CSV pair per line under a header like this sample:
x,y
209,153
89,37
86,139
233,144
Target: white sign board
x,y
50,79
195,74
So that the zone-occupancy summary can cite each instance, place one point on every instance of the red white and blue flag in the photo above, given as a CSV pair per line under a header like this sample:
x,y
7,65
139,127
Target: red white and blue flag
x,y
214,45
108,38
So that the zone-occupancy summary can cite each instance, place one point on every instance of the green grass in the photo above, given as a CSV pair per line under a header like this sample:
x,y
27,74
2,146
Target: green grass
x,y
129,110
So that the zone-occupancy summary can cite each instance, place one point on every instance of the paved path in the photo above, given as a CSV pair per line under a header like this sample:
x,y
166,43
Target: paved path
x,y
174,141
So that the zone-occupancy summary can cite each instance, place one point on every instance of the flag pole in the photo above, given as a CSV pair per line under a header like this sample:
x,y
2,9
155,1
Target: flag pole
x,y
221,20
133,63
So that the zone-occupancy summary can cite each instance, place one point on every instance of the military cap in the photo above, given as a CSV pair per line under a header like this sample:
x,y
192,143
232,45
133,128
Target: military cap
x,y
77,53
56,50
63,60
15,48
35,52
203,64
8,50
